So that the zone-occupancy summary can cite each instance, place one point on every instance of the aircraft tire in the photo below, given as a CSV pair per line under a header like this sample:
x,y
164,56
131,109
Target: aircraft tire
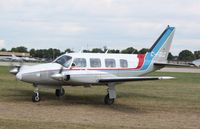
x,y
108,101
36,97
60,92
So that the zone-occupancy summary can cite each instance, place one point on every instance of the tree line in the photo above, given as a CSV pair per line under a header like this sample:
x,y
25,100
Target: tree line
x,y
52,53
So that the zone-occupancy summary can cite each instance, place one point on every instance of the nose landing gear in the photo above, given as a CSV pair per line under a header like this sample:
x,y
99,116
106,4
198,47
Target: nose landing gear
x,y
36,95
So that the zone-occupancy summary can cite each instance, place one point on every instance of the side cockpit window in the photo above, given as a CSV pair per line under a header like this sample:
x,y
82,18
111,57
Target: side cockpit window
x,y
80,62
64,60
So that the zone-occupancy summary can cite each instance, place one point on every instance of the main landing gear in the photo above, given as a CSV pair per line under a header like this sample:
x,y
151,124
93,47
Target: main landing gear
x,y
111,96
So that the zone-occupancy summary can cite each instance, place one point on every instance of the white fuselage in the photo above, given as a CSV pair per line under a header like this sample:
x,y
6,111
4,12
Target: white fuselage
x,y
88,69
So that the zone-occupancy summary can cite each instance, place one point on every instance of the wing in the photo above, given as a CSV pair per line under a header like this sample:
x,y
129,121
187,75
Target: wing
x,y
125,79
173,65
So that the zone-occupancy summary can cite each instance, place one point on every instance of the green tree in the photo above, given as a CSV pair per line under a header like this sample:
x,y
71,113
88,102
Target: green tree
x,y
86,51
170,56
3,50
68,50
130,50
32,52
97,50
19,49
13,50
113,51
40,53
49,54
186,55
56,53
143,51
197,54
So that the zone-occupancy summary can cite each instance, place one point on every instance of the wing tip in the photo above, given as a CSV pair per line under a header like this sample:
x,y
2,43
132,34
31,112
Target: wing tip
x,y
166,78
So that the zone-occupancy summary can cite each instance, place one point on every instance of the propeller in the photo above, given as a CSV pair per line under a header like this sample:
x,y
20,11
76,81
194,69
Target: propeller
x,y
59,76
61,70
15,67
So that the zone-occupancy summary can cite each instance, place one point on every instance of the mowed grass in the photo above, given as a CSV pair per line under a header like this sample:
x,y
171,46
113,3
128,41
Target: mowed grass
x,y
161,104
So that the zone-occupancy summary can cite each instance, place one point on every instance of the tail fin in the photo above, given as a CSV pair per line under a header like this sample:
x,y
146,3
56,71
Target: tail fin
x,y
159,51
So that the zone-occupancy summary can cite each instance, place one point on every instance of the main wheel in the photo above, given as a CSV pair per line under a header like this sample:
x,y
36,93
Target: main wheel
x,y
108,101
36,97
60,92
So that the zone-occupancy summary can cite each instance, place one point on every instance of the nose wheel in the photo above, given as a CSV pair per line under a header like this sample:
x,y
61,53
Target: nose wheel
x,y
60,92
36,94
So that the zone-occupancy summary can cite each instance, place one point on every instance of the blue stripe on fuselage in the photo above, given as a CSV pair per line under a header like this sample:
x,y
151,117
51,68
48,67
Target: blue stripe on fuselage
x,y
150,55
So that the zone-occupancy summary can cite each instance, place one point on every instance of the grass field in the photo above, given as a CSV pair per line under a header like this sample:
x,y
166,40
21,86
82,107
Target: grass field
x,y
166,104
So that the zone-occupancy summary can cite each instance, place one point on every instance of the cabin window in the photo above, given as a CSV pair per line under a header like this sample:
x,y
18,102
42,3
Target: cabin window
x,y
80,62
95,62
110,63
123,63
64,60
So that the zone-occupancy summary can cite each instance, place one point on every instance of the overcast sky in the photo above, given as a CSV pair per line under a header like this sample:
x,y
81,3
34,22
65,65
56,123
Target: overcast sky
x,y
89,24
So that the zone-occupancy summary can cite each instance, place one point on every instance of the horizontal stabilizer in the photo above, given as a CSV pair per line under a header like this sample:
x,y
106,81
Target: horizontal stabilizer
x,y
125,79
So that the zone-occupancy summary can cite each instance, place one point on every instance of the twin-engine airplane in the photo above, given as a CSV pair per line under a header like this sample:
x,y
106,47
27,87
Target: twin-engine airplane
x,y
196,63
18,59
87,69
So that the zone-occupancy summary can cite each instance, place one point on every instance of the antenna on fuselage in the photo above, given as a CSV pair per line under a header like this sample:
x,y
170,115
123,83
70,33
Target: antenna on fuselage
x,y
81,51
106,52
133,51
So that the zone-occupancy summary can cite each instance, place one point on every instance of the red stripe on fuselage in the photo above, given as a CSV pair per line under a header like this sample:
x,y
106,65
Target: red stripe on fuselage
x,y
141,60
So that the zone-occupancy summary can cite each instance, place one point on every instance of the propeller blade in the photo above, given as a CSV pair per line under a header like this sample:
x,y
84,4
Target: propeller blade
x,y
14,68
59,76
61,70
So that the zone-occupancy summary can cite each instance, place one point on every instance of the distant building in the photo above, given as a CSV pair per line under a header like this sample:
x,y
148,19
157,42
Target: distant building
x,y
15,53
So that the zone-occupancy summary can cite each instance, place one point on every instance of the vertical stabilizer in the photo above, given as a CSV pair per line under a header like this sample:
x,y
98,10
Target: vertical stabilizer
x,y
161,47
159,51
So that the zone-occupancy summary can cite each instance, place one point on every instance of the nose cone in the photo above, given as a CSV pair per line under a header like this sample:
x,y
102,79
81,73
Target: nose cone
x,y
19,76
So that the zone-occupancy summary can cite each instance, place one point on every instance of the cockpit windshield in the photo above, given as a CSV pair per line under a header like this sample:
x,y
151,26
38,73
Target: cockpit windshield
x,y
64,60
